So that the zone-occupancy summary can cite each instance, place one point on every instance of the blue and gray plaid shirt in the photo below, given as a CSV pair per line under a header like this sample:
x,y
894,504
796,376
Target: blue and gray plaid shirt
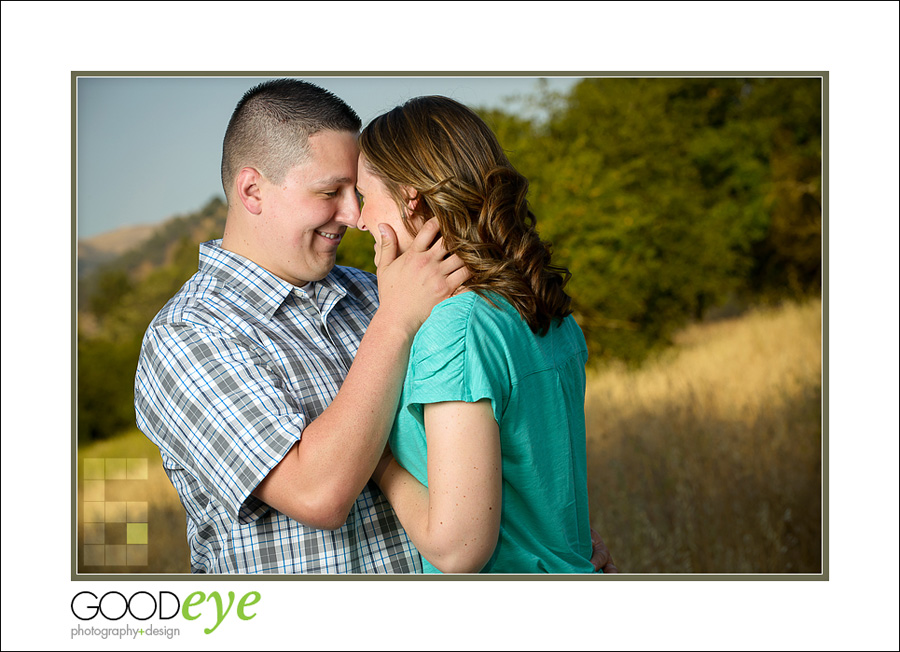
x,y
231,371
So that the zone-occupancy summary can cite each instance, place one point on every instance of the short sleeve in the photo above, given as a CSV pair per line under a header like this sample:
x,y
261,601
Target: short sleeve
x,y
218,410
455,357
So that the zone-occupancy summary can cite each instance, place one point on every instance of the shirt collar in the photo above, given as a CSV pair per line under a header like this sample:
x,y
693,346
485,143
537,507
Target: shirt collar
x,y
259,287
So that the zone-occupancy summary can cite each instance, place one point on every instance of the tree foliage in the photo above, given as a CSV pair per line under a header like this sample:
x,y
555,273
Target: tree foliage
x,y
667,197
124,298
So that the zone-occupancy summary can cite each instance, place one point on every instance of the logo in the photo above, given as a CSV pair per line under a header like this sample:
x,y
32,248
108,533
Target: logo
x,y
114,605
165,605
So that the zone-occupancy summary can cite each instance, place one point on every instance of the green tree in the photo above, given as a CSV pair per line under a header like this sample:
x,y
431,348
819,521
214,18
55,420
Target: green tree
x,y
666,197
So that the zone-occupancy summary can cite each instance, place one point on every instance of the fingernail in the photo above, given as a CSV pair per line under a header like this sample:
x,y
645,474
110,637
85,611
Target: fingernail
x,y
382,229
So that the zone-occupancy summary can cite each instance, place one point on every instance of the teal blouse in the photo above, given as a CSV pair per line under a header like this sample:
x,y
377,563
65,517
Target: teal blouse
x,y
469,350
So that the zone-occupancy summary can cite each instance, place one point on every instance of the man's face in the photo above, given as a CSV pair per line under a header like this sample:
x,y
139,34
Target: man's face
x,y
304,217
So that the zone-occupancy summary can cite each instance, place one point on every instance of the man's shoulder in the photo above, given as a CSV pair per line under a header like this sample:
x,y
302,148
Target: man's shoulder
x,y
354,276
360,285
201,298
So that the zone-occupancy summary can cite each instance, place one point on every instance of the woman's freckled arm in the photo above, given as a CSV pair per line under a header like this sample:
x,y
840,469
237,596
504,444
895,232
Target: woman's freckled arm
x,y
457,507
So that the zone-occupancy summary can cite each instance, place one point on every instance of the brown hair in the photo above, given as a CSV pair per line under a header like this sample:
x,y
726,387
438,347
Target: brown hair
x,y
449,156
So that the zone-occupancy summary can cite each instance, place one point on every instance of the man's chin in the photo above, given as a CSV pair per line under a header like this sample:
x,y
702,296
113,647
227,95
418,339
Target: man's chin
x,y
325,269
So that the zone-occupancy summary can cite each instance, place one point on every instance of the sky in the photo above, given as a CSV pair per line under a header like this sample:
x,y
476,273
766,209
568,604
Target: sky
x,y
149,148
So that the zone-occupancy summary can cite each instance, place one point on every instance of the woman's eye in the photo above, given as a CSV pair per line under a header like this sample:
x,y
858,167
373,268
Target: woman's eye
x,y
361,199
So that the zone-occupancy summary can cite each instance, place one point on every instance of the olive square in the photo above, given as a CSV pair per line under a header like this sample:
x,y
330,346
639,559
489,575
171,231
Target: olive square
x,y
136,512
94,512
93,468
115,512
136,468
94,533
116,556
115,534
116,469
137,555
95,490
93,555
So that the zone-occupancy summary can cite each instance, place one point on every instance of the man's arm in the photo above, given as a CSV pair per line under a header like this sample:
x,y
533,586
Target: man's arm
x,y
322,475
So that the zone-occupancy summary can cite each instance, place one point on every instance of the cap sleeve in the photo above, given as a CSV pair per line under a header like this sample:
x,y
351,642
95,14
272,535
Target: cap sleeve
x,y
455,358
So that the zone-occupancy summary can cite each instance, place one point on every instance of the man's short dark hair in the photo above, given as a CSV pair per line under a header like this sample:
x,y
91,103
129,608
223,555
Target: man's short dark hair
x,y
271,125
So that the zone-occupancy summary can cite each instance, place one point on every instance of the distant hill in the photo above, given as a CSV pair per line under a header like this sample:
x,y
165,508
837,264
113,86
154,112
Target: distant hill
x,y
137,252
133,247
99,249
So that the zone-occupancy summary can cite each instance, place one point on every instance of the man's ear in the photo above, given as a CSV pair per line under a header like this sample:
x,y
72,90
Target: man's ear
x,y
247,185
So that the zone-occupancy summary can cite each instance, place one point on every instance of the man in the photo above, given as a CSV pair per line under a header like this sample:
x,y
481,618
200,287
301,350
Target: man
x,y
269,382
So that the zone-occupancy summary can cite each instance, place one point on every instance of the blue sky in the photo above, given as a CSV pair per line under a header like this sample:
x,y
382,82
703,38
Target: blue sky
x,y
150,147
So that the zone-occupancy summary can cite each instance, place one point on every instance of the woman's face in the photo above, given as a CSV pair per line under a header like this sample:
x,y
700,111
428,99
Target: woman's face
x,y
379,207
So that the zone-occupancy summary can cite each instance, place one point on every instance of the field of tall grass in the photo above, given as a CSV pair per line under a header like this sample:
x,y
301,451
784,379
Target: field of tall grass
x,y
706,460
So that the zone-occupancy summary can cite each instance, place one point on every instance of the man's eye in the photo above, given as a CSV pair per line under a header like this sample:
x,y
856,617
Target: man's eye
x,y
331,193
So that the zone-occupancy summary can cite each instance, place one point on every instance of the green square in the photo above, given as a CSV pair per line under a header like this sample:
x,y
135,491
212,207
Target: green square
x,y
94,512
93,469
94,533
116,469
94,490
137,555
137,468
137,533
116,556
136,512
93,555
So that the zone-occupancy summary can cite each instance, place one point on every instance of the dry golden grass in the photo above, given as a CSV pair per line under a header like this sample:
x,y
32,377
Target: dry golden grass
x,y
708,459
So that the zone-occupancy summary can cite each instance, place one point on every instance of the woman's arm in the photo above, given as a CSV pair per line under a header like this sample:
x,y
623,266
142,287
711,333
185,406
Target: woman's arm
x,y
455,521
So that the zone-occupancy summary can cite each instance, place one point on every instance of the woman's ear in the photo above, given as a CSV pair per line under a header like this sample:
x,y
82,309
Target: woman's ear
x,y
247,185
412,199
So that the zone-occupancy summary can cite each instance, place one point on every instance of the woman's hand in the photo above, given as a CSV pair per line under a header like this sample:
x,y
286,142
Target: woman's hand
x,y
386,458
601,559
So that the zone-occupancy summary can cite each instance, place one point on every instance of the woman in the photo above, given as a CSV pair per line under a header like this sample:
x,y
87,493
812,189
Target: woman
x,y
487,464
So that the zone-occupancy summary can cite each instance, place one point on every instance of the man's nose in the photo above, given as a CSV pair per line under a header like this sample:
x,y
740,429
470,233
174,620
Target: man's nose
x,y
348,211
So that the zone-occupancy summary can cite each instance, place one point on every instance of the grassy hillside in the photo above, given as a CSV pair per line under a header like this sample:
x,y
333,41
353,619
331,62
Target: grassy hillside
x,y
708,460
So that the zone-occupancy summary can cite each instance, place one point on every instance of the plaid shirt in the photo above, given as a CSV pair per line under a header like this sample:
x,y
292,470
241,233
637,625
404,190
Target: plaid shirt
x,y
231,371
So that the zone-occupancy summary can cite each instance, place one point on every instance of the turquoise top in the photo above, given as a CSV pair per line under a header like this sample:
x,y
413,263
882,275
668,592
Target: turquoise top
x,y
469,350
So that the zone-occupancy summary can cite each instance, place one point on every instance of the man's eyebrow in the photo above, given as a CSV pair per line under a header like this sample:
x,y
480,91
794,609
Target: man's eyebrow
x,y
333,181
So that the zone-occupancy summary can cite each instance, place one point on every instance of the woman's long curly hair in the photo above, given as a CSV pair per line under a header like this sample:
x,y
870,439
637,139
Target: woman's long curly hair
x,y
448,155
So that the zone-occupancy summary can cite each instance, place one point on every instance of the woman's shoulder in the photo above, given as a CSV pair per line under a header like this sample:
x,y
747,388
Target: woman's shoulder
x,y
453,321
469,312
459,305
447,324
459,352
